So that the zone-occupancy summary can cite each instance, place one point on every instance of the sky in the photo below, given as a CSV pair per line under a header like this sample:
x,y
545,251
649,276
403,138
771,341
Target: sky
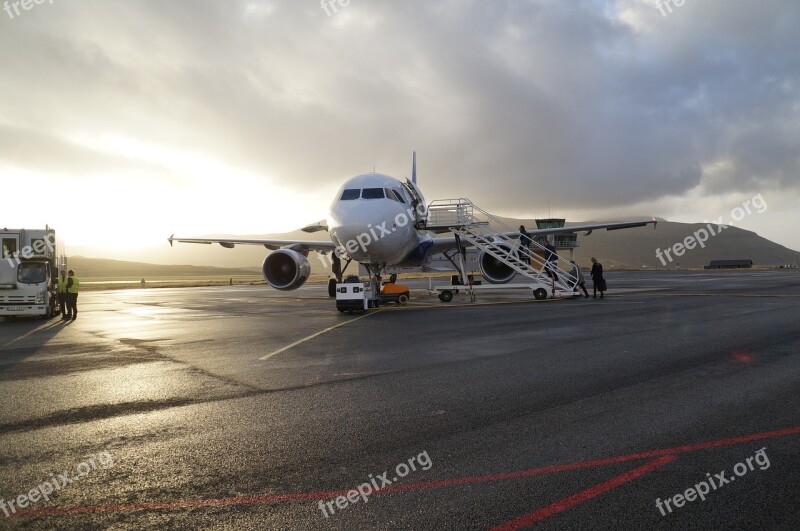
x,y
123,122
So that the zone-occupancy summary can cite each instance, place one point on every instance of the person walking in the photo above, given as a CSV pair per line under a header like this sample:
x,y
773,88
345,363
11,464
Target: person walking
x,y
62,294
577,273
598,282
73,286
524,243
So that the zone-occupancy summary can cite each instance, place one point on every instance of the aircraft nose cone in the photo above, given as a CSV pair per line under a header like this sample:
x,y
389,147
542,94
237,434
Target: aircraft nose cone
x,y
352,236
361,238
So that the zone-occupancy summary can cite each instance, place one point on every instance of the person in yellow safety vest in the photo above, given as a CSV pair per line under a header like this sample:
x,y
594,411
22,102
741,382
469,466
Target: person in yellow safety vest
x,y
73,285
62,294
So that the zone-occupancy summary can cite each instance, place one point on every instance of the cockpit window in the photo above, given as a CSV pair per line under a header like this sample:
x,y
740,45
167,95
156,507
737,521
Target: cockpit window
x,y
372,193
390,194
351,193
399,195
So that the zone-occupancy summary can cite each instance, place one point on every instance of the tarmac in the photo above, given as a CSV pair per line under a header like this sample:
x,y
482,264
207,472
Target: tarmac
x,y
248,408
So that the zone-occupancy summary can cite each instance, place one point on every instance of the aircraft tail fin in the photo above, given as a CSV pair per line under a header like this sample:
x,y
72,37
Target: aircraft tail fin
x,y
414,167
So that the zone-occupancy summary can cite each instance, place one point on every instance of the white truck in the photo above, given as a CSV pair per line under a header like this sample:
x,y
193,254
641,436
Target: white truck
x,y
29,273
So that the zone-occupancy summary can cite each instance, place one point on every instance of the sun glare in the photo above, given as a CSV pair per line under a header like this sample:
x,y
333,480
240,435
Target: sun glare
x,y
175,192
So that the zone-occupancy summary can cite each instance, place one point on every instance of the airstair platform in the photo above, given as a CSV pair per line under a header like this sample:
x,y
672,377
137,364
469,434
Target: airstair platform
x,y
545,272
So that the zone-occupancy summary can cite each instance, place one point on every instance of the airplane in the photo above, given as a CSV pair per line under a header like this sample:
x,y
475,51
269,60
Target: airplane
x,y
377,221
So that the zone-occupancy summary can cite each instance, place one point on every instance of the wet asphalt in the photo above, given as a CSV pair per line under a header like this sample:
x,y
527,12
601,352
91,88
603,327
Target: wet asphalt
x,y
248,408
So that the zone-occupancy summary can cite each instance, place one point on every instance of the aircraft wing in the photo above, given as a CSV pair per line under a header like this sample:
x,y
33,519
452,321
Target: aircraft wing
x,y
444,244
589,228
230,243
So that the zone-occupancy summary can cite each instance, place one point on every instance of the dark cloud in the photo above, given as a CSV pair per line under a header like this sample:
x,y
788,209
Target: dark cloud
x,y
593,104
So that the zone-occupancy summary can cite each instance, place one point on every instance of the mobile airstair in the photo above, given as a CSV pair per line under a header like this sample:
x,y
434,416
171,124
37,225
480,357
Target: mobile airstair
x,y
474,226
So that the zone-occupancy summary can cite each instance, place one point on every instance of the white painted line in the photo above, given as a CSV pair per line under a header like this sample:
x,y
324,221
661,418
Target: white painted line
x,y
312,336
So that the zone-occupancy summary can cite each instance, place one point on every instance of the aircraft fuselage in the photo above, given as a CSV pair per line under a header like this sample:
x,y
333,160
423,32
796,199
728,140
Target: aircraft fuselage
x,y
372,220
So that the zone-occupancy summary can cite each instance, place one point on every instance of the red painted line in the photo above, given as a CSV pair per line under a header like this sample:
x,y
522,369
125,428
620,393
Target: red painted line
x,y
709,444
453,482
595,462
582,496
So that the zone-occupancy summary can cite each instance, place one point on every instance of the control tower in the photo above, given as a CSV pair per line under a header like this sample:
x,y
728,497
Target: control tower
x,y
562,242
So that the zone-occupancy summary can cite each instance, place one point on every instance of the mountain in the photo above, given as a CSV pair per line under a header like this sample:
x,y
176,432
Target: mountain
x,y
636,248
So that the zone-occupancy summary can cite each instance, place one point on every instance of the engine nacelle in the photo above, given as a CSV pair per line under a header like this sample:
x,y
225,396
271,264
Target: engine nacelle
x,y
286,269
493,270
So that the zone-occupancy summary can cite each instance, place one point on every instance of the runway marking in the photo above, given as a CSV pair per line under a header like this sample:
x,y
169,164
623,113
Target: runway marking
x,y
662,457
312,336
584,495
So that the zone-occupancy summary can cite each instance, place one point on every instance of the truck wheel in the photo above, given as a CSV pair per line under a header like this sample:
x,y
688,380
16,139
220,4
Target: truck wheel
x,y
402,299
446,296
540,293
331,288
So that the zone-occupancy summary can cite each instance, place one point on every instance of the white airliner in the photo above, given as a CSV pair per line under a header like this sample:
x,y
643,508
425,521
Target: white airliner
x,y
377,221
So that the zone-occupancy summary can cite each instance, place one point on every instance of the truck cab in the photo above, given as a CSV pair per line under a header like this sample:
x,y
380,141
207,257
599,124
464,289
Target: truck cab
x,y
28,273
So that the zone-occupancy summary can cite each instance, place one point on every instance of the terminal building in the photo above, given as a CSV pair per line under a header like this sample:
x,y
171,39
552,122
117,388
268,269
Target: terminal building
x,y
729,264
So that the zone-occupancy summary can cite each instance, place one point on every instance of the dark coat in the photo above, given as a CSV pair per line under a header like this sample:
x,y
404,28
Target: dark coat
x,y
552,255
577,273
597,271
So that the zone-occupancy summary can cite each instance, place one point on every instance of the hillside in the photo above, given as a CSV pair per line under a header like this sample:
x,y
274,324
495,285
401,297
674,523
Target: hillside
x,y
105,268
635,248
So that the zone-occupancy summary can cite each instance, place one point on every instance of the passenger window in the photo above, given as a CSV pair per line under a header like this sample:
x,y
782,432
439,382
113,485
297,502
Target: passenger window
x,y
351,193
372,193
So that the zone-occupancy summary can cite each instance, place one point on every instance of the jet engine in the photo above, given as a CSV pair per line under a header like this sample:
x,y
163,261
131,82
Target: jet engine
x,y
286,269
493,270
